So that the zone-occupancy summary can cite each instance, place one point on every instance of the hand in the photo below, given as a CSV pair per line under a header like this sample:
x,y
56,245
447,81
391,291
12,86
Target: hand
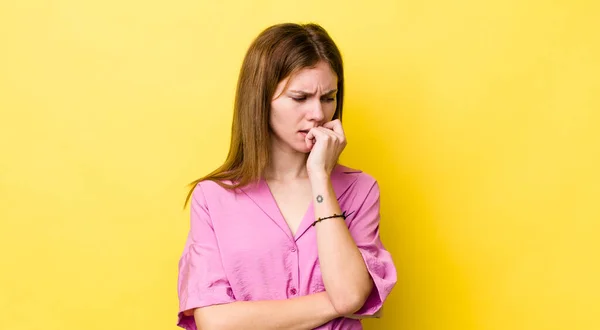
x,y
326,143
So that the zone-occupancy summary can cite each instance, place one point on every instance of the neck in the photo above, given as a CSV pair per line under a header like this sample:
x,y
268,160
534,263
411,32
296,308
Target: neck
x,y
286,165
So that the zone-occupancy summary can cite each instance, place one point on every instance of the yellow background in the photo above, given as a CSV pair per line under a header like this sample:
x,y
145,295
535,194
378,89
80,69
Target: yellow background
x,y
480,119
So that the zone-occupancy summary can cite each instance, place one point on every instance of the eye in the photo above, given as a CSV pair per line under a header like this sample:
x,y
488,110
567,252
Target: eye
x,y
329,99
299,99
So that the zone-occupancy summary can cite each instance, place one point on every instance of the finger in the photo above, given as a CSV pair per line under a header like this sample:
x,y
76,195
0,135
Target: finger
x,y
324,133
339,138
326,136
317,133
327,132
309,141
310,135
310,138
332,124
336,126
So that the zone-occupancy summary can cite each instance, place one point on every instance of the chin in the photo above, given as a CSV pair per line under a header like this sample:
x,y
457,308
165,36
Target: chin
x,y
303,150
301,147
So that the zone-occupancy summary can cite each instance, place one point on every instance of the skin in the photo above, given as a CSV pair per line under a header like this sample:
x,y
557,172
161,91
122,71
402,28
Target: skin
x,y
299,172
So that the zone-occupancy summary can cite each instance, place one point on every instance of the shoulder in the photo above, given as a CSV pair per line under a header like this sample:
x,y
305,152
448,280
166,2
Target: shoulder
x,y
353,185
360,178
211,185
210,190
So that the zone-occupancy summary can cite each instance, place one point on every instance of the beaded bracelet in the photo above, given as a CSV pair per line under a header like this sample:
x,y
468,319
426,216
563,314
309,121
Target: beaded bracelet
x,y
343,215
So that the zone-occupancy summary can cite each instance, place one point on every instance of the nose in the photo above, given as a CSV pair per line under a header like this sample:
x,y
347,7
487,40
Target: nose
x,y
316,111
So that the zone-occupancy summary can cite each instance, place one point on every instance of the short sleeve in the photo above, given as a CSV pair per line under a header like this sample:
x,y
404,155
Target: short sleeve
x,y
364,228
201,279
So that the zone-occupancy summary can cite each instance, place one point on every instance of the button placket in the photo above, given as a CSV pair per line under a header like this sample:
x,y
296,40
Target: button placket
x,y
293,289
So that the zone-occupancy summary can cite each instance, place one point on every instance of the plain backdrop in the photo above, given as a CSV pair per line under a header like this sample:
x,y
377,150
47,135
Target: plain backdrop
x,y
479,119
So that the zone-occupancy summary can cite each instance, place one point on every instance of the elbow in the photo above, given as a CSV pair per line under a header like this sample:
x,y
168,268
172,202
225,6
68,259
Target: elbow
x,y
348,303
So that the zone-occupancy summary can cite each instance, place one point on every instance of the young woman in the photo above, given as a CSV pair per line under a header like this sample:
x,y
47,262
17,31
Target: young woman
x,y
282,236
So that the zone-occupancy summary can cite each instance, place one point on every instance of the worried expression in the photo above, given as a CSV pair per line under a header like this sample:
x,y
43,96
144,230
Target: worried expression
x,y
308,101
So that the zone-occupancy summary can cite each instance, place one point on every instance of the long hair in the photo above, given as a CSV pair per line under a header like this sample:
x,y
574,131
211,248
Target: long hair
x,y
279,51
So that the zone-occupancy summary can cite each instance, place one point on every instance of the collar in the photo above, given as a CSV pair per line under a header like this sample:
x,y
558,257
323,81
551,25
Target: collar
x,y
342,178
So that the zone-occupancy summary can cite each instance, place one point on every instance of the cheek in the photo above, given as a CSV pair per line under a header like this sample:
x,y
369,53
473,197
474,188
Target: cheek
x,y
330,110
285,116
275,122
280,121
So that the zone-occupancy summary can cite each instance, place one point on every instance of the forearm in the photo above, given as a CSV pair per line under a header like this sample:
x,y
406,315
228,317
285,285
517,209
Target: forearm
x,y
305,312
344,272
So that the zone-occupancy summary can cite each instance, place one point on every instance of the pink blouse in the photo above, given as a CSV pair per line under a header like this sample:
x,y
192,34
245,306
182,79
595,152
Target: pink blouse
x,y
240,248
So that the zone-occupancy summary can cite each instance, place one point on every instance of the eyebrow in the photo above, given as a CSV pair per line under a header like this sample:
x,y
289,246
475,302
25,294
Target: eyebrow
x,y
305,93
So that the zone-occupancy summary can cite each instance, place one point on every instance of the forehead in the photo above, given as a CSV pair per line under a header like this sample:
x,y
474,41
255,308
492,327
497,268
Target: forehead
x,y
319,76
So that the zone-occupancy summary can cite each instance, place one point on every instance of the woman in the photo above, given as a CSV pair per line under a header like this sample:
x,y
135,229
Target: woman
x,y
281,235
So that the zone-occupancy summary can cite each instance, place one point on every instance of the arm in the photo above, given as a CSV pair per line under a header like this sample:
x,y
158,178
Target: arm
x,y
358,272
345,275
305,312
364,229
206,300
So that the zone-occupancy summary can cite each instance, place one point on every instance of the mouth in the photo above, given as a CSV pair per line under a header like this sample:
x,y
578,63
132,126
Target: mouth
x,y
304,131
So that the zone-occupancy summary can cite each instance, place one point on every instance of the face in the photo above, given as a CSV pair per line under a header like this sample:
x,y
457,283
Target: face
x,y
308,101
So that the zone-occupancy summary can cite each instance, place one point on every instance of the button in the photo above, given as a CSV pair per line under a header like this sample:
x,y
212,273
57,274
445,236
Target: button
x,y
293,291
293,249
